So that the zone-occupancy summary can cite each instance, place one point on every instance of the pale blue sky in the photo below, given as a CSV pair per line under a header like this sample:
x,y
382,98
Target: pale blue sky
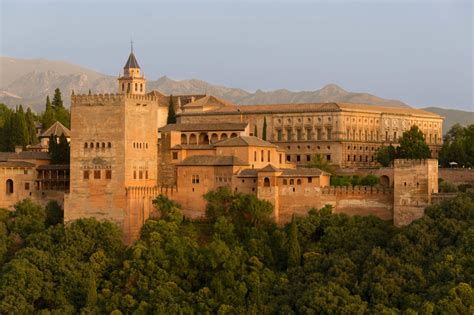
x,y
420,52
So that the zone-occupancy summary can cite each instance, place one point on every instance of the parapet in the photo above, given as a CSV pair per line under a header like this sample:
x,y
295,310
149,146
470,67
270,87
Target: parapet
x,y
148,191
355,190
404,163
96,99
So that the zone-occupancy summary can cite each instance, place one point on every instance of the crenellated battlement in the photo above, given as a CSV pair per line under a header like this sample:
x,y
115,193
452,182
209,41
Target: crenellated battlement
x,y
96,99
105,99
403,163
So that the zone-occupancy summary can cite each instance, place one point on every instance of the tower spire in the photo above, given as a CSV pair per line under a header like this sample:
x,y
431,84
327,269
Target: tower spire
x,y
131,46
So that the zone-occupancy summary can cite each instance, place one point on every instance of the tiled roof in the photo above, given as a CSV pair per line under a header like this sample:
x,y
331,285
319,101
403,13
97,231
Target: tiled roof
x,y
205,127
249,172
21,164
24,155
229,108
57,129
212,160
193,146
53,167
209,101
244,141
269,168
131,62
303,171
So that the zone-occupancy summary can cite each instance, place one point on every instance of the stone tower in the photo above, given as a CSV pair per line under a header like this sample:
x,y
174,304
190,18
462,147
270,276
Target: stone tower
x,y
414,183
113,147
132,81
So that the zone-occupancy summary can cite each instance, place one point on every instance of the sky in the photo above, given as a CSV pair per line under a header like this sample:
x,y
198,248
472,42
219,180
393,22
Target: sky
x,y
419,52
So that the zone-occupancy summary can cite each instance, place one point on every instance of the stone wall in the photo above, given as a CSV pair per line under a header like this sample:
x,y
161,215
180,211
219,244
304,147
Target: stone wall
x,y
457,176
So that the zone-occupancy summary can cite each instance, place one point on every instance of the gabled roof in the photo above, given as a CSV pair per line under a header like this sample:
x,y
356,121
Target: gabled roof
x,y
212,160
209,101
245,141
24,155
303,171
16,164
205,127
269,168
57,129
131,62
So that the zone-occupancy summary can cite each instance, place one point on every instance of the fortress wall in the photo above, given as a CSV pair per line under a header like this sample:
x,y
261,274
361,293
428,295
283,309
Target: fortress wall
x,y
457,176
359,200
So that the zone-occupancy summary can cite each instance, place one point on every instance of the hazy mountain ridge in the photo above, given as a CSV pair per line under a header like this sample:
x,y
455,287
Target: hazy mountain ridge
x,y
28,81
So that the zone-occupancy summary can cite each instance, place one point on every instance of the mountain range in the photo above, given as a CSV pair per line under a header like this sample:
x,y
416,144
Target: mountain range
x,y
29,81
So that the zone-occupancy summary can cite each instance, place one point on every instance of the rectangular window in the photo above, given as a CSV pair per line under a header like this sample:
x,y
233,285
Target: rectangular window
x,y
268,156
140,174
97,174
280,135
175,155
288,135
86,175
27,186
318,134
288,158
310,180
298,134
328,157
298,158
255,156
348,157
280,159
134,174
308,158
329,133
108,174
386,135
394,136
308,134
195,179
146,174
261,155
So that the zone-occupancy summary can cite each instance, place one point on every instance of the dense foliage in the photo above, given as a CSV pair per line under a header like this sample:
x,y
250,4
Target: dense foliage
x,y
16,128
458,147
238,262
171,119
55,111
412,146
59,149
317,161
354,180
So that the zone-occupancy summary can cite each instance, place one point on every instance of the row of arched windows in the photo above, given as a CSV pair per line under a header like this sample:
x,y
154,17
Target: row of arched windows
x,y
97,145
140,145
203,138
129,86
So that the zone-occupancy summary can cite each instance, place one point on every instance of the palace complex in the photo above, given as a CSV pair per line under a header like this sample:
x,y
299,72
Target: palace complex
x,y
123,155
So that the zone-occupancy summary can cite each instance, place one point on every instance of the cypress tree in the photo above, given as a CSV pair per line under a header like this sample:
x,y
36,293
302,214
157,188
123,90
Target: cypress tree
x,y
53,149
30,121
49,115
57,99
19,129
171,112
294,250
255,131
264,131
63,150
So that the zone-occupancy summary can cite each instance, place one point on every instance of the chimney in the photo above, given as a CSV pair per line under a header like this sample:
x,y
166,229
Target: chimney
x,y
18,148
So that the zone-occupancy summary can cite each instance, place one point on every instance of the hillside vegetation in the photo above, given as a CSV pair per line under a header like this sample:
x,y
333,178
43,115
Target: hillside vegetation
x,y
238,262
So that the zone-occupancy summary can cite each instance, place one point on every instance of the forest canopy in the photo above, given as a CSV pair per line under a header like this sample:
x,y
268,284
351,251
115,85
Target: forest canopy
x,y
238,261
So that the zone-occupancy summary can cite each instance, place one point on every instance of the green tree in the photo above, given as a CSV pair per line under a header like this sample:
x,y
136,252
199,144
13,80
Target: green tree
x,y
31,125
294,250
49,116
413,145
264,131
385,155
171,112
59,149
57,99
457,147
319,162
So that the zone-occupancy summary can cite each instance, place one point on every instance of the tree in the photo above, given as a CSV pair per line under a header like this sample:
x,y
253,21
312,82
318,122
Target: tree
x,y
413,145
264,131
30,121
319,162
49,116
385,155
458,146
171,112
294,250
59,149
57,99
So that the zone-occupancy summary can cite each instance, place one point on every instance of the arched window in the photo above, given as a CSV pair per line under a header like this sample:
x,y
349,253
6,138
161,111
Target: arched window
x,y
97,145
285,182
214,138
298,182
233,135
123,87
224,136
266,182
192,139
141,87
292,181
103,145
9,187
128,88
184,140
136,87
109,145
85,145
92,145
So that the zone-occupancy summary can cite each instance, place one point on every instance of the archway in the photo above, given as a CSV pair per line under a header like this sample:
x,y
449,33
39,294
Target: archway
x,y
192,139
9,187
224,136
184,139
214,138
384,181
233,135
266,182
203,138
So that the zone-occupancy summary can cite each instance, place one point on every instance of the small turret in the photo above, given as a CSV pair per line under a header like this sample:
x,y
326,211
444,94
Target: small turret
x,y
132,81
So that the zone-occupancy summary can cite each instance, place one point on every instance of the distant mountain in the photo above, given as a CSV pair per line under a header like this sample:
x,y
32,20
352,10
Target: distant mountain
x,y
452,116
28,81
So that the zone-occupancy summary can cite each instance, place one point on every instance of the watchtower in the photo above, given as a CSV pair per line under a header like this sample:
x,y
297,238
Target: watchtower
x,y
132,81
